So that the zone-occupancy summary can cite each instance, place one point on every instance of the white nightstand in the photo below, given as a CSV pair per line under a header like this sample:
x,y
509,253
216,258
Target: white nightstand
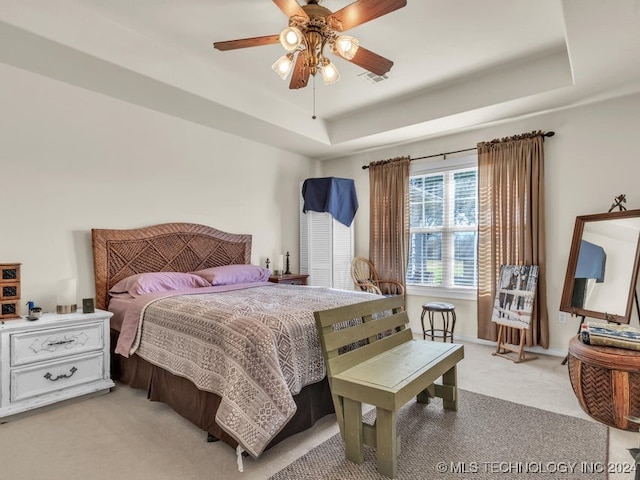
x,y
54,358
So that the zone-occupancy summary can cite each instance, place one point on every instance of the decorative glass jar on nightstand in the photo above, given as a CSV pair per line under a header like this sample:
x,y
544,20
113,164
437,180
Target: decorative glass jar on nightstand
x,y
54,358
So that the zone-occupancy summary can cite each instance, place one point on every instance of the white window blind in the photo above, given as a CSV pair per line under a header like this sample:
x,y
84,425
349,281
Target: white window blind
x,y
443,245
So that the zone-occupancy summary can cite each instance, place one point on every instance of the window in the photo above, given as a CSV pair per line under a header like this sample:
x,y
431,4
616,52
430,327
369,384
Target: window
x,y
443,243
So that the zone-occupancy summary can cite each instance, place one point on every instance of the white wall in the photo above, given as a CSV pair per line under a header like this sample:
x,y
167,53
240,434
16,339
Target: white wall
x,y
72,160
592,158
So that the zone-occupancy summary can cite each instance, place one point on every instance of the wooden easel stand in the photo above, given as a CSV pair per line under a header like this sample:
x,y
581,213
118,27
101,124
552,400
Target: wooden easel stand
x,y
506,350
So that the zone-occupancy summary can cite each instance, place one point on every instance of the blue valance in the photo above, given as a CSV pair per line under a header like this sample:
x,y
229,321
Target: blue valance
x,y
336,196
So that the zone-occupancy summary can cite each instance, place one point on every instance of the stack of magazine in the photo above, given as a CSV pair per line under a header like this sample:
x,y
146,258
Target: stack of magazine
x,y
611,335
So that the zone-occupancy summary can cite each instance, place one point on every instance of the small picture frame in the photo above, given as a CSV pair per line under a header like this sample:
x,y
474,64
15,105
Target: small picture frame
x,y
87,305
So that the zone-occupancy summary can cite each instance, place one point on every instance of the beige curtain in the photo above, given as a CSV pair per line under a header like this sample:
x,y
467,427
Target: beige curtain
x,y
511,226
389,217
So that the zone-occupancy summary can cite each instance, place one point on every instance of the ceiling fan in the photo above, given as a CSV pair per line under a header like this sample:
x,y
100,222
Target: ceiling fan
x,y
311,28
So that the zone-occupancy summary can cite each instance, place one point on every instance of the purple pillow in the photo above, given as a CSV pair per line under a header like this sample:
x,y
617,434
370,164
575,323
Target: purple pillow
x,y
152,282
231,274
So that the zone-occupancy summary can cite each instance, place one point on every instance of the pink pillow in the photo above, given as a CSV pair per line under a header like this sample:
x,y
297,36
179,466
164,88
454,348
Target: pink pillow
x,y
231,274
152,282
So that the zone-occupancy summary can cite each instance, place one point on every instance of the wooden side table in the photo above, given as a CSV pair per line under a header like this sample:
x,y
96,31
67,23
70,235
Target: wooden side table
x,y
290,279
606,381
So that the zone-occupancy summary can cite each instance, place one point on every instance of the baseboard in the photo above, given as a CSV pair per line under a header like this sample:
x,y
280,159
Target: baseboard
x,y
537,350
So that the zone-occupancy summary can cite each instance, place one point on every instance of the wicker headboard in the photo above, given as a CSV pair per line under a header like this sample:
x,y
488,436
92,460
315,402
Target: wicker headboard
x,y
168,247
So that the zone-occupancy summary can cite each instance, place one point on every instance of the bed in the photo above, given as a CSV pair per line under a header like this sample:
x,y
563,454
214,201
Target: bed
x,y
167,358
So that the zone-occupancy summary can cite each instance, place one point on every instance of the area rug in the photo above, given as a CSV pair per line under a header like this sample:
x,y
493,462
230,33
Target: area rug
x,y
487,438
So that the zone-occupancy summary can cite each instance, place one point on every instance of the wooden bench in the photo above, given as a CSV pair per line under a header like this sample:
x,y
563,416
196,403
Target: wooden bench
x,y
385,371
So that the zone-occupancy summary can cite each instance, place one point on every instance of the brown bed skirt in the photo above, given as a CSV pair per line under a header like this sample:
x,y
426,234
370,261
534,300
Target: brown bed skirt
x,y
200,407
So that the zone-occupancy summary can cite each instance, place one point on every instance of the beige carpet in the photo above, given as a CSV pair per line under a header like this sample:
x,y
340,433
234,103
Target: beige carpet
x,y
122,435
486,438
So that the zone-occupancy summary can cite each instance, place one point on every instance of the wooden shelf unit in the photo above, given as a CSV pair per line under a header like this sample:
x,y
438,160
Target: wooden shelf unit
x,y
9,291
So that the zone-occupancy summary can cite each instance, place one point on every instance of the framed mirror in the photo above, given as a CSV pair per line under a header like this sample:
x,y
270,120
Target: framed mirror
x,y
602,270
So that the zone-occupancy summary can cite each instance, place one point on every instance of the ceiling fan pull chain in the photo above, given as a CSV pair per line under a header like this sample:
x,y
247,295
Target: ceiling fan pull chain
x,y
314,98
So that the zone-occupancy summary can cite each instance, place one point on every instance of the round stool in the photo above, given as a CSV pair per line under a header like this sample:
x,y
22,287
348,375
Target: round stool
x,y
445,309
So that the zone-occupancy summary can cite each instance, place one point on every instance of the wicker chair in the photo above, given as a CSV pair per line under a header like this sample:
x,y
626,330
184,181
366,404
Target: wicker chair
x,y
366,278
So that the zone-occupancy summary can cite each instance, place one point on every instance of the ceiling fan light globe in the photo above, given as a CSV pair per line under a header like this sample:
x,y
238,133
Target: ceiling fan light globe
x,y
330,74
346,46
290,38
283,66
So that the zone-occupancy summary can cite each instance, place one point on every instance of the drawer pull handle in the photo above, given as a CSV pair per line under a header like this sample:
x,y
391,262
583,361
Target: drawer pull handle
x,y
61,342
48,376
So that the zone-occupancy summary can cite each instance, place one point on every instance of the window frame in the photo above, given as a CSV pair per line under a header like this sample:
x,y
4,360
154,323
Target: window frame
x,y
442,166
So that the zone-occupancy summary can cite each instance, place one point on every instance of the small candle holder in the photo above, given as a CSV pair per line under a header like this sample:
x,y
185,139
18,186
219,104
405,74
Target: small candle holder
x,y
287,271
73,308
66,296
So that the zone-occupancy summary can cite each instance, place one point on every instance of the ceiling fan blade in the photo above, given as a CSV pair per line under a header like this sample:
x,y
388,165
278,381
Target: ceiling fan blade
x,y
290,8
362,11
247,42
371,61
300,74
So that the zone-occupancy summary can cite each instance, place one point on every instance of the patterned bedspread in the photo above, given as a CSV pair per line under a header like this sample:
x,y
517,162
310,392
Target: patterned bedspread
x,y
255,348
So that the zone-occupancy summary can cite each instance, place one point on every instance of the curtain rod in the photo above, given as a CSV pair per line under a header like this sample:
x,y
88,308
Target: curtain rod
x,y
546,134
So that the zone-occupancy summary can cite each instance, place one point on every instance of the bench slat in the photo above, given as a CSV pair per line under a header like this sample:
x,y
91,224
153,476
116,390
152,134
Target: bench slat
x,y
326,318
370,329
347,360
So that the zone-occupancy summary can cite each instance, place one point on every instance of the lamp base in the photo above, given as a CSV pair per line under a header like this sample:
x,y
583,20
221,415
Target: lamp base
x,y
66,308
